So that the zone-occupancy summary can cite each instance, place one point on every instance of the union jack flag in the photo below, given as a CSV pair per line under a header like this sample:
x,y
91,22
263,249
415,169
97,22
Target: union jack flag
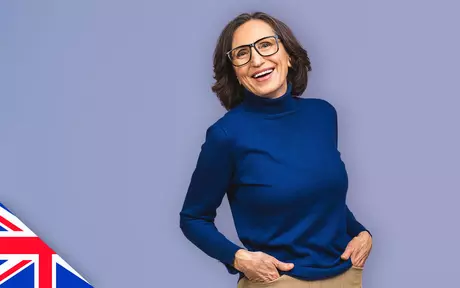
x,y
27,262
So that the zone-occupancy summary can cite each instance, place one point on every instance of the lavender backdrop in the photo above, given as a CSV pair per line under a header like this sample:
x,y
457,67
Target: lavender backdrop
x,y
104,105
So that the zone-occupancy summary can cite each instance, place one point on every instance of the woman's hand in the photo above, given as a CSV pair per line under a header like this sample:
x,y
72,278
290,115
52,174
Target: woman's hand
x,y
259,266
358,249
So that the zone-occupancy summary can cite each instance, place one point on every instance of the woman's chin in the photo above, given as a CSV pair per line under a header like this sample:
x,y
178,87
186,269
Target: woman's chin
x,y
268,91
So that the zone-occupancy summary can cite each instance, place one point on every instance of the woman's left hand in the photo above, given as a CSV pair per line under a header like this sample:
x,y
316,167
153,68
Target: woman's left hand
x,y
358,249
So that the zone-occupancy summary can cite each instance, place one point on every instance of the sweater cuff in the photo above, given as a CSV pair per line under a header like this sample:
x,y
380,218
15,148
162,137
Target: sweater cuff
x,y
355,228
229,258
231,269
368,232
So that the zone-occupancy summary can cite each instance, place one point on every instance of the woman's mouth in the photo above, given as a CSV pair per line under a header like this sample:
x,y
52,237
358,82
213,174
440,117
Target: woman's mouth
x,y
263,75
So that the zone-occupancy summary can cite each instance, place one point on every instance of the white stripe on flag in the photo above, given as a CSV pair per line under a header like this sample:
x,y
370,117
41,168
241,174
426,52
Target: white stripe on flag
x,y
10,263
14,220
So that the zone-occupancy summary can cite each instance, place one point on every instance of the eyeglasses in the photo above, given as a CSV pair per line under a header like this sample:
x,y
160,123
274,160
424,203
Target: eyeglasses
x,y
265,46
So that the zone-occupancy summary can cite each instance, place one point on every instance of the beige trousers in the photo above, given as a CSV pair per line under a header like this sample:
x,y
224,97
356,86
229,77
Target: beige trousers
x,y
352,278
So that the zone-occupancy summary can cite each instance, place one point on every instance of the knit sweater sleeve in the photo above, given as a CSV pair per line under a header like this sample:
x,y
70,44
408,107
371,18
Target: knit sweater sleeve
x,y
354,227
209,183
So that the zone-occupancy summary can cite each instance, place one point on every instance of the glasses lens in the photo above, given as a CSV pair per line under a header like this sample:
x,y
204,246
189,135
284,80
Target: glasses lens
x,y
267,46
240,55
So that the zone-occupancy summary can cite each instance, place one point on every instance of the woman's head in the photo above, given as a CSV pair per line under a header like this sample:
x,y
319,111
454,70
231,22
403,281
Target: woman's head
x,y
258,43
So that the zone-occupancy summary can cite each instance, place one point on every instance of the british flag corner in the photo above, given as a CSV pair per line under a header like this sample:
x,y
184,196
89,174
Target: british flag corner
x,y
27,262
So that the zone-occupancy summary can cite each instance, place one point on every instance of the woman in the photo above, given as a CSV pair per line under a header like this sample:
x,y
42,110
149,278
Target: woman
x,y
275,156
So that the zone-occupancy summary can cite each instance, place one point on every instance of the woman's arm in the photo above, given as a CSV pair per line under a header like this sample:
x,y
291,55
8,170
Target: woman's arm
x,y
209,183
353,226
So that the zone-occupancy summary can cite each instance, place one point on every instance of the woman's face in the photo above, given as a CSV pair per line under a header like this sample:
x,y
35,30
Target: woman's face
x,y
272,85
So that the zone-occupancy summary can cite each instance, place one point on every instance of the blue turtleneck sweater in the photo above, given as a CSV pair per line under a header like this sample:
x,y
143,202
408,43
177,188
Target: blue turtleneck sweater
x,y
278,164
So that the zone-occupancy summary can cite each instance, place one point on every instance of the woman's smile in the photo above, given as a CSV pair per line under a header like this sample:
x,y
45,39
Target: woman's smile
x,y
263,75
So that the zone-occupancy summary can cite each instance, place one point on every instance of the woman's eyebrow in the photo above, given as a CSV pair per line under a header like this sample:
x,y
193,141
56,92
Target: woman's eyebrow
x,y
242,45
249,43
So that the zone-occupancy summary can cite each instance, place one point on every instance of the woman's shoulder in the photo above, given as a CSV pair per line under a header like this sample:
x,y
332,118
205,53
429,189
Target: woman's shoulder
x,y
231,117
320,107
228,124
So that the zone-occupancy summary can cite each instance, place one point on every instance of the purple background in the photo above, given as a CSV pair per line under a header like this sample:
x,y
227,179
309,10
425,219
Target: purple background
x,y
104,105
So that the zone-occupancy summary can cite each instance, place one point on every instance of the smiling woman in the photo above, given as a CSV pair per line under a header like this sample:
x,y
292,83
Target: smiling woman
x,y
270,57
278,47
276,158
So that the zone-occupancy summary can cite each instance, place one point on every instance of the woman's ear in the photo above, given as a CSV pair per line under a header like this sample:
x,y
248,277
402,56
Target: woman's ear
x,y
289,63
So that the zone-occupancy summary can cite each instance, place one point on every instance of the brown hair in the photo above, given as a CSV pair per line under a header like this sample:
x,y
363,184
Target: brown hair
x,y
227,88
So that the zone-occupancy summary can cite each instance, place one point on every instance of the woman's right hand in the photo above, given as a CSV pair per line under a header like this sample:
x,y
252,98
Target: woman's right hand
x,y
259,266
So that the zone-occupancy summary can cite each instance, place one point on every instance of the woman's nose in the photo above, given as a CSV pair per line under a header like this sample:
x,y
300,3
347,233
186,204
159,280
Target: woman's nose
x,y
256,59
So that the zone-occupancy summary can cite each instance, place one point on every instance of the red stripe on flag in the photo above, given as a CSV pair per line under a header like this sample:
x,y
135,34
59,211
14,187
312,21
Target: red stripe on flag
x,y
23,245
31,245
13,269
9,225
45,263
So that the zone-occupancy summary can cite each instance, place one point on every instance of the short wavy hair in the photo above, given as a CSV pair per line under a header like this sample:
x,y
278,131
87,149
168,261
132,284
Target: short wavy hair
x,y
228,90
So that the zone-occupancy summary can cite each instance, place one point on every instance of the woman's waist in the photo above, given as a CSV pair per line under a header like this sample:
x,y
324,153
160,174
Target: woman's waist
x,y
305,249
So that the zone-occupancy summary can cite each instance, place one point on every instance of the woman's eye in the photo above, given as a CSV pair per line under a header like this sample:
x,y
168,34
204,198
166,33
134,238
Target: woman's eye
x,y
241,53
265,44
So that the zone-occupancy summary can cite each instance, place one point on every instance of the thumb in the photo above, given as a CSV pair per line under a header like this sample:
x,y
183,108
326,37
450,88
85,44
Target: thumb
x,y
283,266
347,253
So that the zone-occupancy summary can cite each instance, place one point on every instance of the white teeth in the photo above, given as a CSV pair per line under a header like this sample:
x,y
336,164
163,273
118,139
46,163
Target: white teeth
x,y
263,73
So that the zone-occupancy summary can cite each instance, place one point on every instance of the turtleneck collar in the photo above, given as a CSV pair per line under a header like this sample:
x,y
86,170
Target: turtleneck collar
x,y
284,103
